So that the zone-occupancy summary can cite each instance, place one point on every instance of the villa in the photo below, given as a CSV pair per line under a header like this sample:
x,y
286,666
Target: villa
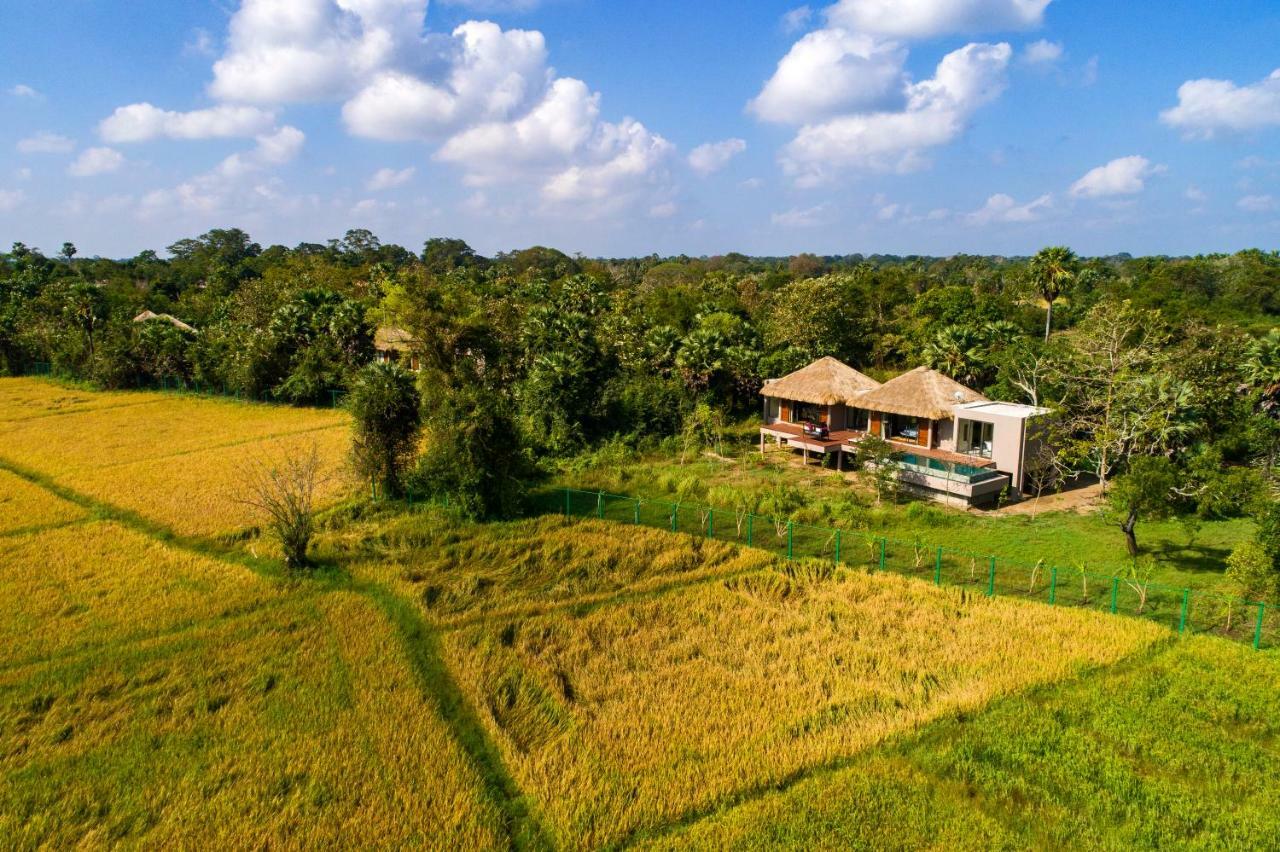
x,y
396,346
953,443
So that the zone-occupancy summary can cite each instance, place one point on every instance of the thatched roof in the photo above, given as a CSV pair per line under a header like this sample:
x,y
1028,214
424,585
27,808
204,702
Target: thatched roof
x,y
151,316
920,393
824,382
387,339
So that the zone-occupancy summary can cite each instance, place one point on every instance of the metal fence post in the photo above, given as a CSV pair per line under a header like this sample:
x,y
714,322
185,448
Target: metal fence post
x,y
636,516
600,505
883,545
790,538
711,523
937,569
1186,602
837,547
750,528
1115,594
991,579
1053,586
566,502
675,517
1257,631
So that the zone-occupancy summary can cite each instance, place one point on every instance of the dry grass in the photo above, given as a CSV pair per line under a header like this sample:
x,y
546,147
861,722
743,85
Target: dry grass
x,y
629,717
28,399
24,505
98,583
291,727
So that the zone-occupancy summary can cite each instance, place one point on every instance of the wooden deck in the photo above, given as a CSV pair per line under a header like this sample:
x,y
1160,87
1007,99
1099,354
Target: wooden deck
x,y
844,441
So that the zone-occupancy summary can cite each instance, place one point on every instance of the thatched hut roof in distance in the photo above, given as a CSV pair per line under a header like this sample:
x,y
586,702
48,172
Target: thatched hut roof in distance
x,y
920,393
152,316
824,382
387,339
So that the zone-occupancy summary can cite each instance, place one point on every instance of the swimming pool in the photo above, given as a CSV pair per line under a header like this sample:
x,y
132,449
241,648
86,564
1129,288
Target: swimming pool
x,y
958,471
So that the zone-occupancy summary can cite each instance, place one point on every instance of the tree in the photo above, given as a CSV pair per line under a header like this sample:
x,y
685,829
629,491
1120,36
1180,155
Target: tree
x,y
1252,571
1052,269
1145,491
67,252
387,410
879,458
284,491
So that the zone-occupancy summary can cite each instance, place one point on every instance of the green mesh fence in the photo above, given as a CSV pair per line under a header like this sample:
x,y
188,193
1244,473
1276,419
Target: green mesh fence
x,y
1186,611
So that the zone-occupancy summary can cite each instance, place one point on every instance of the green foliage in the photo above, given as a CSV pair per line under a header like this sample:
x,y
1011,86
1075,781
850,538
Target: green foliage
x,y
1253,572
386,408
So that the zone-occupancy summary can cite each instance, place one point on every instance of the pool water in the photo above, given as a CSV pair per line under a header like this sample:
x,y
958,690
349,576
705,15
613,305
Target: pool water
x,y
965,472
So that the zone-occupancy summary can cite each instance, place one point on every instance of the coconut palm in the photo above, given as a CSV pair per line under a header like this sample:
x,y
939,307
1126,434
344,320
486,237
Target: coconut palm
x,y
1051,270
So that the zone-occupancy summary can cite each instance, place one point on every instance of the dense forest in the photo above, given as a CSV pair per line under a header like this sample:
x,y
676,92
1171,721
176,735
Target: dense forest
x,y
1163,372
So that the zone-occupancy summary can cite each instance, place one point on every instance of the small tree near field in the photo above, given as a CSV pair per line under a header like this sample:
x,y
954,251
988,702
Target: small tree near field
x,y
388,422
878,457
284,491
1146,491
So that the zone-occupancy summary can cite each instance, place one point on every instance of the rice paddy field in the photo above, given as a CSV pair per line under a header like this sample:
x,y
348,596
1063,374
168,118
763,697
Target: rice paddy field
x,y
551,683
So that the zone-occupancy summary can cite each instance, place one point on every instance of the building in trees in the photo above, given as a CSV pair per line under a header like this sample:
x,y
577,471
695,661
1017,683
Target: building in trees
x,y
952,441
396,346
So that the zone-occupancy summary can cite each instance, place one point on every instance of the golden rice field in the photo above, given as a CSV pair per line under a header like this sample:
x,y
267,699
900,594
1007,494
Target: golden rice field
x,y
178,461
549,683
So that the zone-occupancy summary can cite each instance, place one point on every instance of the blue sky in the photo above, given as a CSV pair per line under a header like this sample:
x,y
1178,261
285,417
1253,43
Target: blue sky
x,y
621,128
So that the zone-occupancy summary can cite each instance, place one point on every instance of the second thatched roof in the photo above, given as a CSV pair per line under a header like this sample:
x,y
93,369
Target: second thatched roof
x,y
826,381
389,339
152,316
920,393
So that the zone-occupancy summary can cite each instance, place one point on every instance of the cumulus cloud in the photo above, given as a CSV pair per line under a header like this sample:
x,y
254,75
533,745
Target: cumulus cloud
x,y
1196,194
713,156
797,19
238,182
829,72
10,199
1123,176
921,19
1257,204
142,122
46,143
936,111
1206,107
622,159
96,161
1003,209
390,178
22,90
1042,53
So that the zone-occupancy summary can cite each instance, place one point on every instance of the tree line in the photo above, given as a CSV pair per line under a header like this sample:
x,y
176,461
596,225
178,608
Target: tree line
x,y
1164,373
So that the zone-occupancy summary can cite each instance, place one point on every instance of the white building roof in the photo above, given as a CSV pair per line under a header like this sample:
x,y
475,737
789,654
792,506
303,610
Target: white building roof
x,y
1003,409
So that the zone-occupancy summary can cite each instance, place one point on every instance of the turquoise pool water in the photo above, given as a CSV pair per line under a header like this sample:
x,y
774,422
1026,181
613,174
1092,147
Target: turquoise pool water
x,y
962,472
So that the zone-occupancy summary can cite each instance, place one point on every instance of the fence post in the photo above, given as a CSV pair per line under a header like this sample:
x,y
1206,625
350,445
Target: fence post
x,y
790,538
566,502
883,545
837,547
1186,602
600,505
1257,631
675,517
1115,594
1053,586
636,516
991,579
937,569
711,523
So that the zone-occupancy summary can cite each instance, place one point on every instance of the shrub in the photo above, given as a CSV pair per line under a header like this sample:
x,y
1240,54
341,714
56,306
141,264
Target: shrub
x,y
1252,570
386,408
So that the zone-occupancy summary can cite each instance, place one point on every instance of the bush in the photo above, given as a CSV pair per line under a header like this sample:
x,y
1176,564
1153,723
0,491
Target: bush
x,y
1252,570
388,421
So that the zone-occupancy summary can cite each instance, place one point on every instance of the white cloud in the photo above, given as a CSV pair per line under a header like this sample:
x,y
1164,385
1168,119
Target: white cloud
x,y
797,19
1206,106
141,122
1003,209
273,149
752,183
390,178
22,90
665,210
23,173
495,75
199,44
1257,204
930,18
1123,176
1042,53
487,6
96,161
237,183
810,217
829,72
936,112
283,51
46,143
621,159
1196,194
10,199
713,156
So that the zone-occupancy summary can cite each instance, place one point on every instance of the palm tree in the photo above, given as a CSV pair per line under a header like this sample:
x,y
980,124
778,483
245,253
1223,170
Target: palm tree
x,y
1052,269
958,352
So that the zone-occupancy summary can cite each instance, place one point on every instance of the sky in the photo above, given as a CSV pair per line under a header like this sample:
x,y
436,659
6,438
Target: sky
x,y
620,128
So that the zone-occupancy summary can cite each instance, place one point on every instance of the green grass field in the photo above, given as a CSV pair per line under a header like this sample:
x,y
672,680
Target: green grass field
x,y
557,683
